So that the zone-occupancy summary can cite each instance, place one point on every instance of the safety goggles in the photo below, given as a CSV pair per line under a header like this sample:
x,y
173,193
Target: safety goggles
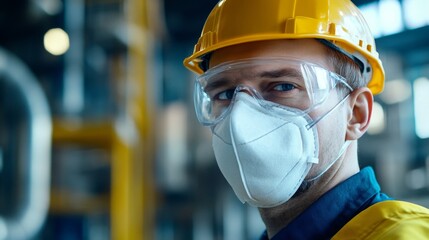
x,y
290,83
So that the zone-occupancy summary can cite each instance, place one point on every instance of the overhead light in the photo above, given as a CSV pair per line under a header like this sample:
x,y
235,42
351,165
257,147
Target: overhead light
x,y
56,41
415,13
389,24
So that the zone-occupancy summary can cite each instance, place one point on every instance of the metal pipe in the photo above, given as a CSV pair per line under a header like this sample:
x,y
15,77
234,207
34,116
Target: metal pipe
x,y
28,220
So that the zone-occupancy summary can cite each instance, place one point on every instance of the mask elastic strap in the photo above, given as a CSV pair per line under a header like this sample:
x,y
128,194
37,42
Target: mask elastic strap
x,y
342,150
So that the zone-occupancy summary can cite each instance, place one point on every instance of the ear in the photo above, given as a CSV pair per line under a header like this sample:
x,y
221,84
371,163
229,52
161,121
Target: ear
x,y
360,101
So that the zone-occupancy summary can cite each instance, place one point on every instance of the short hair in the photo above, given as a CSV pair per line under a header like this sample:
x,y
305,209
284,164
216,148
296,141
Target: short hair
x,y
347,68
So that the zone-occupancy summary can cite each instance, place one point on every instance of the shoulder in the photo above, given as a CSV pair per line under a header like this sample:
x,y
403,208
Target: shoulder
x,y
388,220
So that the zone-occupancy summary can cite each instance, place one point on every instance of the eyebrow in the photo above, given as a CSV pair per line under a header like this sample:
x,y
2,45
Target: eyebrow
x,y
216,84
278,73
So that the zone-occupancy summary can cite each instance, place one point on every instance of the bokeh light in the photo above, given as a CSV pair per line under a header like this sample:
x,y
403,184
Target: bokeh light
x,y
56,41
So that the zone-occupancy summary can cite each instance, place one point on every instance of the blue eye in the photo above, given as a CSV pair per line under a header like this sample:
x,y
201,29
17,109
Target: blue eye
x,y
226,95
284,87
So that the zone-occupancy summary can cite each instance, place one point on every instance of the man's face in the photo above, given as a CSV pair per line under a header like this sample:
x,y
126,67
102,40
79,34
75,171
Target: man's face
x,y
331,129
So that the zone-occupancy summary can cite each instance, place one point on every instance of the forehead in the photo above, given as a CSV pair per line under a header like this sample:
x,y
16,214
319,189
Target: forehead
x,y
305,49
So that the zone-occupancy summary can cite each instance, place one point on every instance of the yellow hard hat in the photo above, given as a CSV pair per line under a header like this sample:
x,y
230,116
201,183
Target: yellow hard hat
x,y
339,22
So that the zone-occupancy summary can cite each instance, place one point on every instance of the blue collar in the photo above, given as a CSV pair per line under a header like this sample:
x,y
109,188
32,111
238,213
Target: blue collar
x,y
335,208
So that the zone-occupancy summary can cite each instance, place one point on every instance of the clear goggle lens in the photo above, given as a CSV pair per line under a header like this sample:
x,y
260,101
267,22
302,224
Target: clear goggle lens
x,y
287,82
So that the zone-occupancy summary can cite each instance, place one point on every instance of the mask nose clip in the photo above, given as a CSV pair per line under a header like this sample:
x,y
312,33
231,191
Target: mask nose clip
x,y
249,91
245,88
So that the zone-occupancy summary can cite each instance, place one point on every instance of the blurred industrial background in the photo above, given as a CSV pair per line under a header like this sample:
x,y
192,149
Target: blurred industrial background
x,y
98,138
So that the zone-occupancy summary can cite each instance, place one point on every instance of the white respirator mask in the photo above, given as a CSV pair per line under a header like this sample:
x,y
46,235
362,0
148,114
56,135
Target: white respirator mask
x,y
263,156
265,142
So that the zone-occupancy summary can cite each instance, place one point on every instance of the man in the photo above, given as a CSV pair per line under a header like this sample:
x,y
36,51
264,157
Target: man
x,y
287,88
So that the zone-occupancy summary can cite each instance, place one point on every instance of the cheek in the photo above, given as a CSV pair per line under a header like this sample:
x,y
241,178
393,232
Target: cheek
x,y
332,132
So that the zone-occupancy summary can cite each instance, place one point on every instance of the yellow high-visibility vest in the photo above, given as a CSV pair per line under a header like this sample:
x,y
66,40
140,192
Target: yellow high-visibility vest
x,y
388,220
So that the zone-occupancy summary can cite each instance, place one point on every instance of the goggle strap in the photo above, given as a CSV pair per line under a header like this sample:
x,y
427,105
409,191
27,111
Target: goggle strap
x,y
205,61
310,125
